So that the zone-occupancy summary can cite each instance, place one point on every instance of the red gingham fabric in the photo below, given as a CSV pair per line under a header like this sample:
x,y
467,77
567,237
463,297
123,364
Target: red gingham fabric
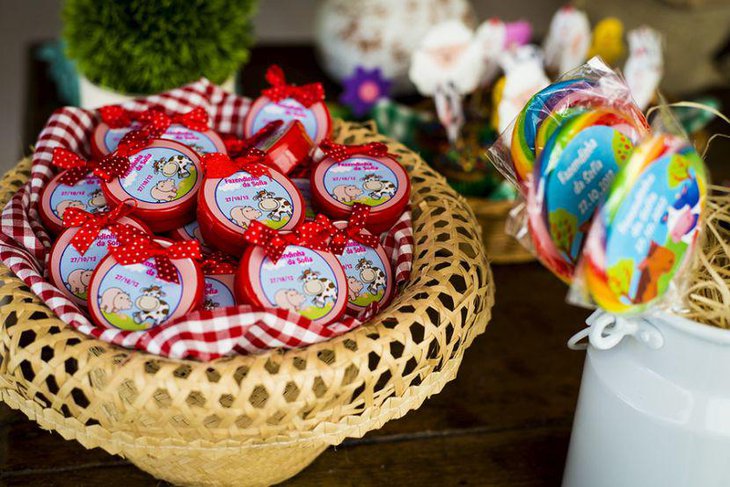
x,y
202,335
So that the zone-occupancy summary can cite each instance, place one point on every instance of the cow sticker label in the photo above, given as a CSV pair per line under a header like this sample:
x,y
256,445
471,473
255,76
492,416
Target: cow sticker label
x,y
367,278
577,182
132,298
76,269
218,293
301,281
361,180
86,195
286,110
654,228
159,175
242,198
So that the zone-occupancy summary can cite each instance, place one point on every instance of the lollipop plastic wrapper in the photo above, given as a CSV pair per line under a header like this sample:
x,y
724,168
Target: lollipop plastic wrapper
x,y
565,148
639,249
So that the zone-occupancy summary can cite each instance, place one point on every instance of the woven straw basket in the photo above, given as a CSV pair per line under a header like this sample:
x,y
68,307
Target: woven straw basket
x,y
501,247
257,420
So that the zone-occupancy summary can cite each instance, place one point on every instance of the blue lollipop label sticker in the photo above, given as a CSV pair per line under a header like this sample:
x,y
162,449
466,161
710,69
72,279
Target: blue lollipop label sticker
x,y
218,294
75,269
655,228
242,198
301,281
577,183
286,110
86,195
367,277
361,180
159,175
133,298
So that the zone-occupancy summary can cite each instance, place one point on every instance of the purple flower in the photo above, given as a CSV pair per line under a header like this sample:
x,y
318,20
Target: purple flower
x,y
363,88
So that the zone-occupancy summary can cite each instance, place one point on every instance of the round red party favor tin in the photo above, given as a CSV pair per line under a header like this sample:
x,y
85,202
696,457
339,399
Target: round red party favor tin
x,y
379,182
132,297
287,146
309,282
288,102
369,274
70,271
220,275
227,205
106,139
163,179
56,198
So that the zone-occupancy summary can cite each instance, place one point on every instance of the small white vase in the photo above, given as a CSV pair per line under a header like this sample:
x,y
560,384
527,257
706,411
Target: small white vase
x,y
94,96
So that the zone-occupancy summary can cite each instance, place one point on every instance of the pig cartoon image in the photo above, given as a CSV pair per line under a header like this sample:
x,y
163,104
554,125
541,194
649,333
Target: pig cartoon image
x,y
164,190
681,218
244,215
346,193
289,299
78,281
66,204
354,288
114,300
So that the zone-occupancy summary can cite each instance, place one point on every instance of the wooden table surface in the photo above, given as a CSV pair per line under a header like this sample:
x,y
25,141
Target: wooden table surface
x,y
504,421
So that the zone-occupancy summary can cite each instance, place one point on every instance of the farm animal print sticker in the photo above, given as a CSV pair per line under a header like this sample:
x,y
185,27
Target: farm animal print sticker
x,y
361,180
132,297
219,291
308,282
648,228
57,198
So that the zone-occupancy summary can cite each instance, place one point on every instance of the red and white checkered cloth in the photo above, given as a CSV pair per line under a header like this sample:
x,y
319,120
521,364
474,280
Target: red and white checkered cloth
x,y
202,335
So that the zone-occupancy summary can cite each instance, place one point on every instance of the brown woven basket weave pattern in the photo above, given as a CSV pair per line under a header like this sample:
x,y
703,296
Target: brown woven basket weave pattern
x,y
255,420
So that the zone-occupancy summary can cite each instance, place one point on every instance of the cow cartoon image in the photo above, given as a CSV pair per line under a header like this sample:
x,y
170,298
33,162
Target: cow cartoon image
x,y
78,281
114,300
371,275
681,218
354,288
151,306
164,191
244,215
290,299
320,289
97,202
276,206
177,165
346,193
658,262
66,204
378,187
209,304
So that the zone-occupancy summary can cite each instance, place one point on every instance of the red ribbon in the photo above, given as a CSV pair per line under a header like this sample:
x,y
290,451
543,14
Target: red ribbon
x,y
139,248
133,142
312,234
219,165
117,117
91,224
76,168
218,263
157,121
340,152
353,231
307,95
236,146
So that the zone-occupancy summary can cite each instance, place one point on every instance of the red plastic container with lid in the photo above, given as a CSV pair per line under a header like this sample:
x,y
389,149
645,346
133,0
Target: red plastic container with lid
x,y
287,146
57,197
368,270
163,179
133,297
70,270
309,282
250,191
360,174
220,274
288,102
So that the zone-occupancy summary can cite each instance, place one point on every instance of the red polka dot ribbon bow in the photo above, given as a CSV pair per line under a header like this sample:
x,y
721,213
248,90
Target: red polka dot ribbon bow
x,y
311,234
77,168
156,121
236,146
219,165
340,152
307,95
91,224
140,248
117,117
355,230
218,263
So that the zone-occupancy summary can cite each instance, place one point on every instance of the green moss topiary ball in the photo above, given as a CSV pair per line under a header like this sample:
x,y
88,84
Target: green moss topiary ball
x,y
142,46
